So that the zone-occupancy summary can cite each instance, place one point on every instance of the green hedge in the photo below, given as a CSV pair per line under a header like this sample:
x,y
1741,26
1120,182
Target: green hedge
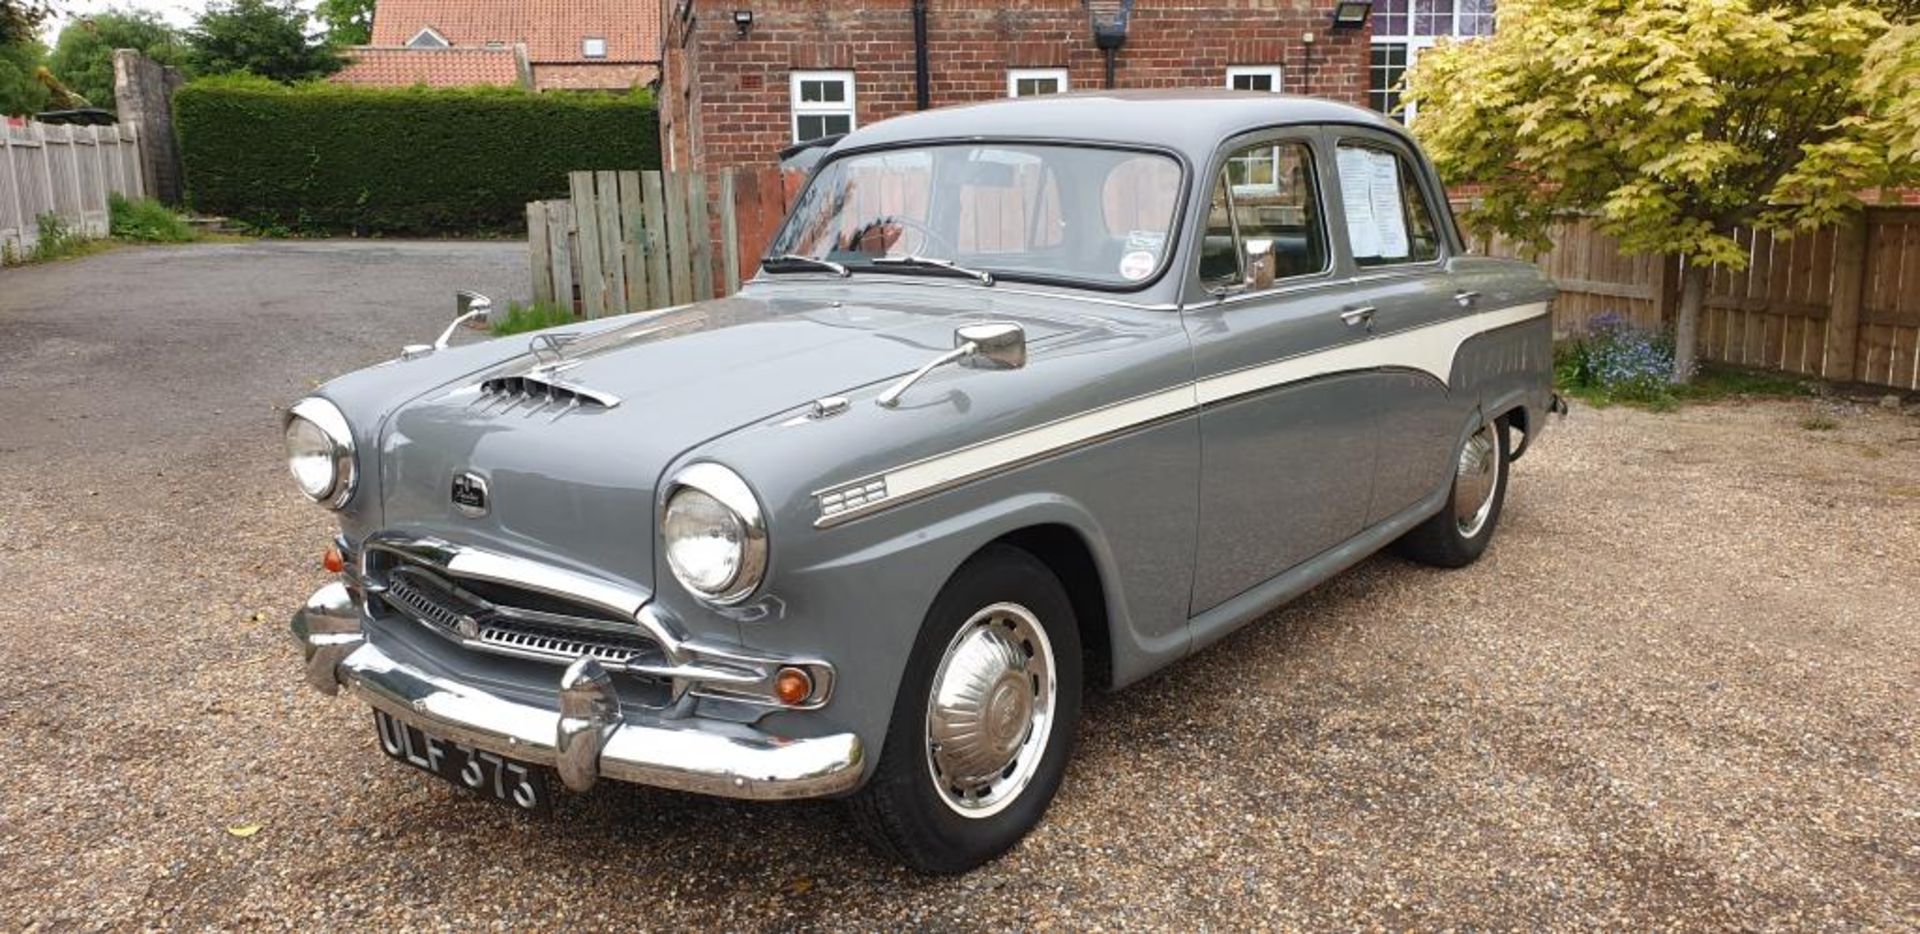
x,y
336,158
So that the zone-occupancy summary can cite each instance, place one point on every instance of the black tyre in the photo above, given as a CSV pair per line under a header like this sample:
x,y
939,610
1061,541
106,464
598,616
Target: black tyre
x,y
985,718
1458,535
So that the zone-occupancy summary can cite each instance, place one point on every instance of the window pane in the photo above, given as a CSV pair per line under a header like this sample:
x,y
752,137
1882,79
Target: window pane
x,y
1424,236
1476,18
1219,260
836,124
809,127
1389,64
1274,208
1252,82
1390,18
1433,17
1388,220
1043,211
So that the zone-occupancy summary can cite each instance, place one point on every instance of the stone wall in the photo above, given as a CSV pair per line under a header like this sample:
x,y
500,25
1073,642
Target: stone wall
x,y
143,91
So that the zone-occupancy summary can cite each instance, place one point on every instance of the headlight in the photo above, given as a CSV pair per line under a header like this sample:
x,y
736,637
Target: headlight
x,y
714,534
320,452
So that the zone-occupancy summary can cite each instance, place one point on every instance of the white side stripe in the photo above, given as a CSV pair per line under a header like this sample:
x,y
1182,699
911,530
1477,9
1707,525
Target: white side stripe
x,y
1429,349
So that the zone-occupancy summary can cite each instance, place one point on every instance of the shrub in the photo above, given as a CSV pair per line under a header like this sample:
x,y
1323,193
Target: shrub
x,y
1615,360
147,220
333,158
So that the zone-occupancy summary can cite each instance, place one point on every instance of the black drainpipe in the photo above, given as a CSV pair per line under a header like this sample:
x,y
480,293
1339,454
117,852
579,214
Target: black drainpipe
x,y
1110,35
922,80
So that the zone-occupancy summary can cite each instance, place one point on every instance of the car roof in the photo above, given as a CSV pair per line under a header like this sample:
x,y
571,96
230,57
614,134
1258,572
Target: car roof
x,y
1191,121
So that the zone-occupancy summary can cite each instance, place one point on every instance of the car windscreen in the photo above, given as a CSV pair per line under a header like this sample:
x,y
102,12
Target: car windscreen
x,y
1039,212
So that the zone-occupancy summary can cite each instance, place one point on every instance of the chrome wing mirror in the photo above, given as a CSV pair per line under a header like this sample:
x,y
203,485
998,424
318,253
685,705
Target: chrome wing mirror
x,y
469,308
992,345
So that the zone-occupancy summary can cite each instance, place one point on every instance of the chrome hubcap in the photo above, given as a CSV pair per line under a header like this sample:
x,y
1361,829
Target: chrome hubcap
x,y
1474,481
990,710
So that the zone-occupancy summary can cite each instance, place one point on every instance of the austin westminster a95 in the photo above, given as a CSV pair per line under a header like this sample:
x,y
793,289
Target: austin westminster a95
x,y
1027,398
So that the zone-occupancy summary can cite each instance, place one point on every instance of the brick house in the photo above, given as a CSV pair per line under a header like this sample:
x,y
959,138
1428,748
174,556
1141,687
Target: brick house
x,y
743,79
542,44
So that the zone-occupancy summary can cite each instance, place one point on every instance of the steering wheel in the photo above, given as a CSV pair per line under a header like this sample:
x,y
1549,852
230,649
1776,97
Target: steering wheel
x,y
928,235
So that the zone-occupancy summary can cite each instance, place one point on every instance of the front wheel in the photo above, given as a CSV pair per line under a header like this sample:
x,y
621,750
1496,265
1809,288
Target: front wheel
x,y
1459,534
985,718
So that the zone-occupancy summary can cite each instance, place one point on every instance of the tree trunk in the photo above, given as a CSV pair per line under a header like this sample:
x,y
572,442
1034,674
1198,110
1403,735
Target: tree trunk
x,y
1686,331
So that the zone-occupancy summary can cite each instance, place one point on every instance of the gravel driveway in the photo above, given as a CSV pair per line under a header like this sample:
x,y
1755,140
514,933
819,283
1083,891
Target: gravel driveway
x,y
1682,689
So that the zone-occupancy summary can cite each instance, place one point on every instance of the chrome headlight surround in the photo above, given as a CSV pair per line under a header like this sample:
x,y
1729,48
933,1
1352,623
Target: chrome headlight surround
x,y
316,413
721,486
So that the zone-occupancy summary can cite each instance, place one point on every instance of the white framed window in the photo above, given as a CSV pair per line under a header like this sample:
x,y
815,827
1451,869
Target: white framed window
x,y
1402,29
1028,82
427,38
593,47
1254,78
822,104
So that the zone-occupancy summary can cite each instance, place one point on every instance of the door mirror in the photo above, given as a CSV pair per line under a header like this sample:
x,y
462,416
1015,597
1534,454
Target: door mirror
x,y
995,345
472,309
1257,259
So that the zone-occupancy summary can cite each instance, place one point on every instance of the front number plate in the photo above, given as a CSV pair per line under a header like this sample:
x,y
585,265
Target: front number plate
x,y
516,784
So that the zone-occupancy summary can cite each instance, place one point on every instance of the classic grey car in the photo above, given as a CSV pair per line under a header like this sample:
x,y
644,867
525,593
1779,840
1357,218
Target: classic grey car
x,y
1028,398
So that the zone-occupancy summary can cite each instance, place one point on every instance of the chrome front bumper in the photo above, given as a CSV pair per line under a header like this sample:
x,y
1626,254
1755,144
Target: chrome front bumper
x,y
588,738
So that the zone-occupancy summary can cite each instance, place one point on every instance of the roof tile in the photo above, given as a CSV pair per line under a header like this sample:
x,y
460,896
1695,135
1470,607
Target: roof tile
x,y
552,29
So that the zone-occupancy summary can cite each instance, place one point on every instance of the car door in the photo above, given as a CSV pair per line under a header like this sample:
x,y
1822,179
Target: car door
x,y
1285,434
1400,278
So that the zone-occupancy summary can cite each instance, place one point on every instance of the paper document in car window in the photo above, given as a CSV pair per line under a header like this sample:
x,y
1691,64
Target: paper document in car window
x,y
1356,194
1389,213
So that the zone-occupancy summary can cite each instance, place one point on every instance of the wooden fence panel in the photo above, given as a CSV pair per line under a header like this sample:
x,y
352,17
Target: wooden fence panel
x,y
540,254
700,229
67,171
632,242
659,289
1839,303
679,263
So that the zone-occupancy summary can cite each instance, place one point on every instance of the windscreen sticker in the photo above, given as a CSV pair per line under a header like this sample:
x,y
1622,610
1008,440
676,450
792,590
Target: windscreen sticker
x,y
1137,265
1149,240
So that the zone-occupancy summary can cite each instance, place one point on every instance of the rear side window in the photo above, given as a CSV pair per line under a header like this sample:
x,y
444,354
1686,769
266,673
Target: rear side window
x,y
1264,223
1388,218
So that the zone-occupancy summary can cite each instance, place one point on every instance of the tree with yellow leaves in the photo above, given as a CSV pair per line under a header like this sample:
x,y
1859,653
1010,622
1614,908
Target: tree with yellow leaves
x,y
1675,121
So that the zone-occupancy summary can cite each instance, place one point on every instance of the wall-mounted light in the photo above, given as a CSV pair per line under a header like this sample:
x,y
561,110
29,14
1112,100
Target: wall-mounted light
x,y
1351,14
742,21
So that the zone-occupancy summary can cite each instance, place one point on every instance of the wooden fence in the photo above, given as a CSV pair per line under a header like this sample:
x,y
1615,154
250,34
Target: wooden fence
x,y
631,241
1838,303
67,171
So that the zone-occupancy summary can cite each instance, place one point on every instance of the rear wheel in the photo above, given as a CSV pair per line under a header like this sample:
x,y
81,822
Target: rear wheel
x,y
1458,535
985,718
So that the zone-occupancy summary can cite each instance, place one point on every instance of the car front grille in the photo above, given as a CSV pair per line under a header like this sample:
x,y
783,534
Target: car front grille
x,y
507,621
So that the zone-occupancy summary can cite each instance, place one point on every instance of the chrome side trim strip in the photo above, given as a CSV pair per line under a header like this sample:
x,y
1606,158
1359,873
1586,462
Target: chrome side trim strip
x,y
1429,349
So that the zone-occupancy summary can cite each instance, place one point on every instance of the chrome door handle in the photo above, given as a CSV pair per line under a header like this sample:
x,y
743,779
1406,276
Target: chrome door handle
x,y
1360,315
1465,297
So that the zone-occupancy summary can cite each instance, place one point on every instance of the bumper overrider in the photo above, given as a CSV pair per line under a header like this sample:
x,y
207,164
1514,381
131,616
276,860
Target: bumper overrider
x,y
587,738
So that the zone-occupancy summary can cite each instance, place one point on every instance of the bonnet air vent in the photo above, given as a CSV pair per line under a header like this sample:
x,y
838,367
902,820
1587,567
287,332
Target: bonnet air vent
x,y
544,391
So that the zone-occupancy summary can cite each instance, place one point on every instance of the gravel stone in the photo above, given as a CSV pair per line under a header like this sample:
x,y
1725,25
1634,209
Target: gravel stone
x,y
1681,690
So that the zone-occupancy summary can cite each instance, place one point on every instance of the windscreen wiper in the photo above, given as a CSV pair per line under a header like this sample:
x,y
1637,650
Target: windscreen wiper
x,y
787,262
928,262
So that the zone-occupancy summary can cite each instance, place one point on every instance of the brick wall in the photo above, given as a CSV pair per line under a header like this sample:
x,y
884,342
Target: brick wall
x,y
724,99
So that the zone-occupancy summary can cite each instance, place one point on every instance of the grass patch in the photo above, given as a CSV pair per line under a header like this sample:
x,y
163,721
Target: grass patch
x,y
1820,422
539,316
1712,383
147,221
129,221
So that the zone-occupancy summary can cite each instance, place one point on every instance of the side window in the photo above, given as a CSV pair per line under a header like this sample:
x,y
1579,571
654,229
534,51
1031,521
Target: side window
x,y
1388,219
1264,221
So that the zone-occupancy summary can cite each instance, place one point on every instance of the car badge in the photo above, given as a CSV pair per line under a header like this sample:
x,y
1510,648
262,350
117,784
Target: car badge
x,y
470,494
